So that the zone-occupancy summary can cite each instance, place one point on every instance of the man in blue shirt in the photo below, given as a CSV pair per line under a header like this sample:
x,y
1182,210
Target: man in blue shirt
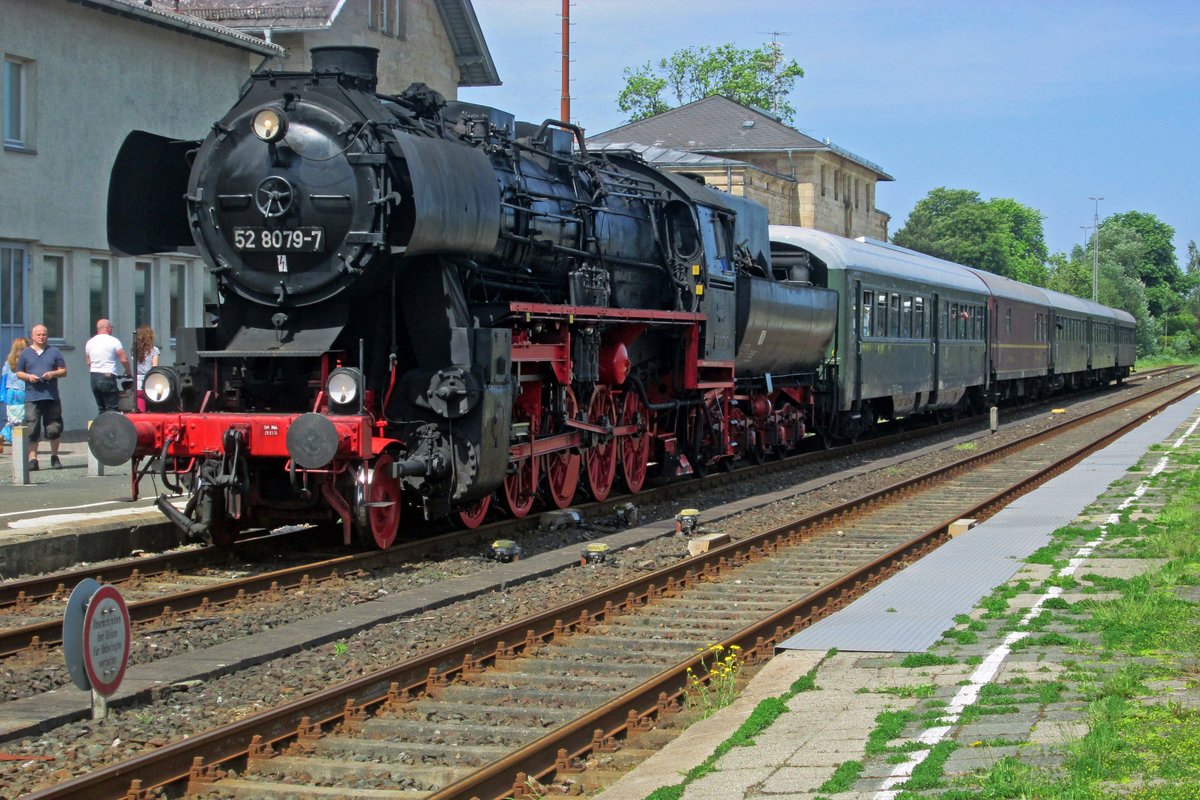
x,y
41,365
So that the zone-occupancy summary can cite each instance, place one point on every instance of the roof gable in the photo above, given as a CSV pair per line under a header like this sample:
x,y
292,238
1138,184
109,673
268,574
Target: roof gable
x,y
714,123
718,124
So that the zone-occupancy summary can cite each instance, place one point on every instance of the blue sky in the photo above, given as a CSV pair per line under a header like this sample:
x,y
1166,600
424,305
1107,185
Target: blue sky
x,y
1046,102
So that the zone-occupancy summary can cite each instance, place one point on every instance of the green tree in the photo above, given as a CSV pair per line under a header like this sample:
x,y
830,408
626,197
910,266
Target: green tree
x,y
998,235
759,77
1193,259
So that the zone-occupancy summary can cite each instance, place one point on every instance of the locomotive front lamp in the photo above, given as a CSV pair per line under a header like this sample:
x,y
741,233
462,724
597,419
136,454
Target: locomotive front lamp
x,y
161,387
343,388
269,124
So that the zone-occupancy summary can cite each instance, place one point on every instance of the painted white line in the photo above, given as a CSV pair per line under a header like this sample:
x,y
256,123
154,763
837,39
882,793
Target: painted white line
x,y
63,508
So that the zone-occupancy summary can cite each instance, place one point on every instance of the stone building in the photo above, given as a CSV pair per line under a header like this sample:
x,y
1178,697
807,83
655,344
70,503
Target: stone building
x,y
79,75
745,151
436,42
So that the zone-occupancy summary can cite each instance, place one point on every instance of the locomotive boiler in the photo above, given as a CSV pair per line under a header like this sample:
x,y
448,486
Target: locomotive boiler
x,y
430,305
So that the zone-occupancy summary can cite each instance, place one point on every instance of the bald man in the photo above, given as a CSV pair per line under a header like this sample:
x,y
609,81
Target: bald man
x,y
103,352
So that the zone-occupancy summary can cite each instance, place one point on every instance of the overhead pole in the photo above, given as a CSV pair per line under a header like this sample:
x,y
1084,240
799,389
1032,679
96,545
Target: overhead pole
x,y
1096,251
564,111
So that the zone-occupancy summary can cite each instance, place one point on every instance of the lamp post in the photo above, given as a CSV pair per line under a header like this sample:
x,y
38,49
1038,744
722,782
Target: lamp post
x,y
1096,252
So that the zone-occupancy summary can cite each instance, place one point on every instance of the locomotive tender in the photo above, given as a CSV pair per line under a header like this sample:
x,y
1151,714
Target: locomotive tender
x,y
432,306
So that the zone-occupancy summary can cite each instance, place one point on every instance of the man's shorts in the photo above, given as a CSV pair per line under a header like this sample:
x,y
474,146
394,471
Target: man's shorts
x,y
43,417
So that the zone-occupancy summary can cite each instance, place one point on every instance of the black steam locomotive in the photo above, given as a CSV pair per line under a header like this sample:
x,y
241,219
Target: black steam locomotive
x,y
431,305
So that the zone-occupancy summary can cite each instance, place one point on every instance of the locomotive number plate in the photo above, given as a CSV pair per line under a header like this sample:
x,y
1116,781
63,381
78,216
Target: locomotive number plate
x,y
296,240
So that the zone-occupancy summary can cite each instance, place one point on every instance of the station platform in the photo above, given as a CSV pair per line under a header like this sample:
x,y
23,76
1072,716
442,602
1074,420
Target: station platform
x,y
854,655
64,516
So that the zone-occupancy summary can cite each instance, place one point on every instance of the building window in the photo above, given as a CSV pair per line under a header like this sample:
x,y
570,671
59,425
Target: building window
x,y
143,295
822,180
16,103
12,295
857,190
837,183
387,17
98,290
53,299
178,297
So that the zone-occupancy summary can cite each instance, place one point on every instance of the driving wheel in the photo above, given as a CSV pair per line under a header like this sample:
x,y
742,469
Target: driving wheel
x,y
635,448
562,467
601,458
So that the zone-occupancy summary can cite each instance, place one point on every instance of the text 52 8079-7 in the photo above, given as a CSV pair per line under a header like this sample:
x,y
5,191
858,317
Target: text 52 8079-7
x,y
276,239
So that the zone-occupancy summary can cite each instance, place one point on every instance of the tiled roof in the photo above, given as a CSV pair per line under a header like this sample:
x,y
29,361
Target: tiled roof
x,y
717,124
164,15
257,15
474,60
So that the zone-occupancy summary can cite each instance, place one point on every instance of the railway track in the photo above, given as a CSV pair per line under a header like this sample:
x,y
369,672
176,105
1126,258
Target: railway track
x,y
206,580
533,699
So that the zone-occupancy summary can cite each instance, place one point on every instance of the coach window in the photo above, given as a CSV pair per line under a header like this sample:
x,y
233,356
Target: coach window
x,y
881,314
919,317
868,300
906,311
894,317
1008,320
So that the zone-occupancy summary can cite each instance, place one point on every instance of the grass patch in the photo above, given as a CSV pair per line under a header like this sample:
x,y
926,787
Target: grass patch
x,y
843,777
913,660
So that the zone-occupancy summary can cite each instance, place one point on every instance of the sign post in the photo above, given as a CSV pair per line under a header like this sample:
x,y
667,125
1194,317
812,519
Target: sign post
x,y
96,637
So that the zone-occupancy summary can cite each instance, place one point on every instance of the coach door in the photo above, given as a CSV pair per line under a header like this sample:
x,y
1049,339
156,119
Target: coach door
x,y
12,294
858,328
934,312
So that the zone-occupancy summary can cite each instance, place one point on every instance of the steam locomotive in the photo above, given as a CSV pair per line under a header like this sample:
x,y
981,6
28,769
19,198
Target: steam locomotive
x,y
429,307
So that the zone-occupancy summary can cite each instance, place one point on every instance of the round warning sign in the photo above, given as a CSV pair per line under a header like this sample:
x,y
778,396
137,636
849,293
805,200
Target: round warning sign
x,y
106,638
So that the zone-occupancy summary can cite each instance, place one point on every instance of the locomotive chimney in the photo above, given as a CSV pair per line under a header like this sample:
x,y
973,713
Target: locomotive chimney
x,y
358,62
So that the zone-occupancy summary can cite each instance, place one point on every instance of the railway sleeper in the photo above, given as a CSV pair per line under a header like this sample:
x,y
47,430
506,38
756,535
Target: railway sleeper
x,y
533,696
523,683
459,711
340,772
411,754
559,665
445,733
242,789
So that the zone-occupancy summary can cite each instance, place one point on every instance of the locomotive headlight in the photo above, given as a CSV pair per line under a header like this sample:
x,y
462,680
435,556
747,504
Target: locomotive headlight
x,y
269,124
344,387
161,387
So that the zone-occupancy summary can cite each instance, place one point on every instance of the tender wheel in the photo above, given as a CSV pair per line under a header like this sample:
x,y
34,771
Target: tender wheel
x,y
562,467
601,458
635,448
472,516
382,501
520,484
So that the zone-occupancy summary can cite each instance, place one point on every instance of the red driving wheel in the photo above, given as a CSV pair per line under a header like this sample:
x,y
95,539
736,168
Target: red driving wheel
x,y
472,516
521,481
601,458
635,448
562,467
